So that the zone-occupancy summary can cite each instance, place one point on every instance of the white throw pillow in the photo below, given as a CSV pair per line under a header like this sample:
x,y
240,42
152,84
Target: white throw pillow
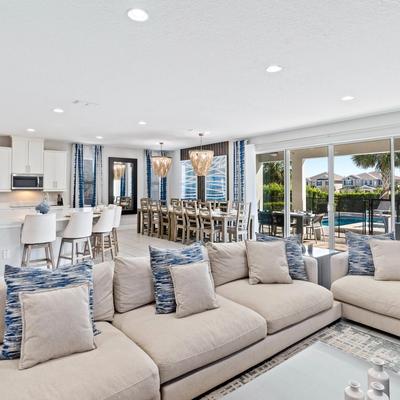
x,y
386,256
193,288
55,323
228,262
267,262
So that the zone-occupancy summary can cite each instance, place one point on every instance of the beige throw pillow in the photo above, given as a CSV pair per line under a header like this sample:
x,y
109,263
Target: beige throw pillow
x,y
228,262
267,262
55,323
386,256
103,300
133,283
193,288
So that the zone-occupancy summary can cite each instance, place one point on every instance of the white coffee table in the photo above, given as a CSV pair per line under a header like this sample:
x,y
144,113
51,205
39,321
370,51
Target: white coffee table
x,y
319,372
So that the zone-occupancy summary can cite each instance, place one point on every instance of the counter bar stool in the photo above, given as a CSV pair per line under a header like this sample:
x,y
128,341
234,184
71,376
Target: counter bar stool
x,y
117,223
38,231
78,230
102,233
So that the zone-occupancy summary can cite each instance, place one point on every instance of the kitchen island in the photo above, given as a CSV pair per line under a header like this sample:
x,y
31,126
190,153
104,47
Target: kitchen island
x,y
11,221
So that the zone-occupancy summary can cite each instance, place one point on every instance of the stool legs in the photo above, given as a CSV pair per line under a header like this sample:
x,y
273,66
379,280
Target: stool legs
x,y
48,250
76,255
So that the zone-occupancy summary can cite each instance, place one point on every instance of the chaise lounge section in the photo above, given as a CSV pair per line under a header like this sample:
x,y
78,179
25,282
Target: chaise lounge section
x,y
364,299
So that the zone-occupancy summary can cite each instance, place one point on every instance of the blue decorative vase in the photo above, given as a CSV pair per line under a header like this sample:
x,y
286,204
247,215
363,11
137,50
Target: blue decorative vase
x,y
43,207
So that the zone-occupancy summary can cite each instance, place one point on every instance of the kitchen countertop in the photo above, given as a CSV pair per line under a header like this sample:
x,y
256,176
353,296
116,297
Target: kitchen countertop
x,y
14,217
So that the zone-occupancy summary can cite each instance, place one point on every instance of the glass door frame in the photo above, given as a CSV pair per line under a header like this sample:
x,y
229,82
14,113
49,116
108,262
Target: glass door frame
x,y
331,185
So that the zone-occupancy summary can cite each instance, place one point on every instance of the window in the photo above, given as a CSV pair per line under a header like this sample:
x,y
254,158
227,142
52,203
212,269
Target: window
x,y
189,181
216,180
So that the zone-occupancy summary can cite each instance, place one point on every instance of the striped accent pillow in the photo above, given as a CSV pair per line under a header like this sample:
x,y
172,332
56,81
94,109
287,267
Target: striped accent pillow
x,y
19,280
294,254
161,260
360,255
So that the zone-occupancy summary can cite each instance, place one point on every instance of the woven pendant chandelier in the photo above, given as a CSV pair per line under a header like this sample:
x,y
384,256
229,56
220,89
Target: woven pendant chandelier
x,y
201,159
161,164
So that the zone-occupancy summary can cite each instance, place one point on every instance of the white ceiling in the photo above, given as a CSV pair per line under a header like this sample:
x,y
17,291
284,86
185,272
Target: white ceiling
x,y
196,64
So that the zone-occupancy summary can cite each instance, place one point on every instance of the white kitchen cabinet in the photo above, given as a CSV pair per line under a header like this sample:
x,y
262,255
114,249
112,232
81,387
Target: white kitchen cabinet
x,y
5,169
55,171
27,155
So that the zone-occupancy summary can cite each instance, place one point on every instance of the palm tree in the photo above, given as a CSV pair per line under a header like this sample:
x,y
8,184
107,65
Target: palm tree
x,y
274,172
381,163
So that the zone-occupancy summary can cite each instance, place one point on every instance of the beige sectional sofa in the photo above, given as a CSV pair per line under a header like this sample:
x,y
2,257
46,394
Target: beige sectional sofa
x,y
141,355
364,299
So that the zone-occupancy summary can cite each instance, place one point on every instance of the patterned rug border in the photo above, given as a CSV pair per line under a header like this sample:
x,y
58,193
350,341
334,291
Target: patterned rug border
x,y
360,341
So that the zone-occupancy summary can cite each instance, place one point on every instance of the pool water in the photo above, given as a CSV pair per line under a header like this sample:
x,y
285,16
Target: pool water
x,y
350,219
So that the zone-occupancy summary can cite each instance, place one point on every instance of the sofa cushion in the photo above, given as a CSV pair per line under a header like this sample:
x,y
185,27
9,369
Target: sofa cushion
x,y
385,253
381,297
181,345
161,260
103,302
280,304
228,261
360,256
117,369
133,283
294,254
28,279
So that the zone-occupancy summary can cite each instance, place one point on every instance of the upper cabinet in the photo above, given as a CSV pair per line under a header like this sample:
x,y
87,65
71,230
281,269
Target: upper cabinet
x,y
27,155
5,169
55,171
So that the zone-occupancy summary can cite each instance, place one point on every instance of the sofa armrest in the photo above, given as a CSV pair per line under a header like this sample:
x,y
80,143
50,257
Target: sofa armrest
x,y
311,265
339,266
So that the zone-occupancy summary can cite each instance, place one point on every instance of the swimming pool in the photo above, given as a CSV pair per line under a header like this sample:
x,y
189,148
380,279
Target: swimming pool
x,y
350,219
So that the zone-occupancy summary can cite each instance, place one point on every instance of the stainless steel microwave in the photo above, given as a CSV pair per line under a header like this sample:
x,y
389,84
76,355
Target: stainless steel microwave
x,y
26,182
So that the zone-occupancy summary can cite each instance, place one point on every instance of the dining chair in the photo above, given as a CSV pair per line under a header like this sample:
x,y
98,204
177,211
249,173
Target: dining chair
x,y
265,220
208,228
224,206
102,233
145,216
38,232
164,221
315,227
155,220
179,223
175,202
77,232
192,222
116,225
239,230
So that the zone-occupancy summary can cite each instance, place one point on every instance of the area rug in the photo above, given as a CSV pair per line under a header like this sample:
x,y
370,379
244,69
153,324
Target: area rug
x,y
351,338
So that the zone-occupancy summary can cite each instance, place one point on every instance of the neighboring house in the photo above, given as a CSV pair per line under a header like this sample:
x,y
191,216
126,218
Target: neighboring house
x,y
321,181
366,181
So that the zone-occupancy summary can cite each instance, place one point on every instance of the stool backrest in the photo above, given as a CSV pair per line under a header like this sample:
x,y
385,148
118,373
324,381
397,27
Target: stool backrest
x,y
79,226
117,217
39,228
105,222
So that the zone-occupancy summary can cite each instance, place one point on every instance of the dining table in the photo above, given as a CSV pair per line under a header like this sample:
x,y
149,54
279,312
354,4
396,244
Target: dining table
x,y
224,218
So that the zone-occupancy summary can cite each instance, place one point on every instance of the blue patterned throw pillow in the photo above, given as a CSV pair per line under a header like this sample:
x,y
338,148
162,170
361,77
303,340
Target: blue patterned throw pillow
x,y
360,255
25,279
294,254
161,260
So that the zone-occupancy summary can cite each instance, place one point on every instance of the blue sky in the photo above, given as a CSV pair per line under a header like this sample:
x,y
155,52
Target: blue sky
x,y
343,166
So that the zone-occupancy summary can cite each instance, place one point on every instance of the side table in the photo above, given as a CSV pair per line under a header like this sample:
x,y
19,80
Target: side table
x,y
323,257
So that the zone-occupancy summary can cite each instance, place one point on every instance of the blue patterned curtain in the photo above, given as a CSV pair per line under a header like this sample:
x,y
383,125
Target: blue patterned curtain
x,y
77,176
239,179
97,197
163,189
122,184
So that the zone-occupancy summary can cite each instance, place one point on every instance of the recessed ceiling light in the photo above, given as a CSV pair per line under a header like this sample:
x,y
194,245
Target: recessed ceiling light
x,y
347,98
58,110
142,123
274,68
99,137
31,130
138,15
